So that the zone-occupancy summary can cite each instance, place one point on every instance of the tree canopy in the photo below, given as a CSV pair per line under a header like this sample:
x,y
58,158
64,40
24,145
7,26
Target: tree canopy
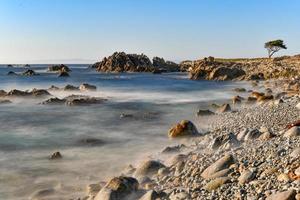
x,y
274,46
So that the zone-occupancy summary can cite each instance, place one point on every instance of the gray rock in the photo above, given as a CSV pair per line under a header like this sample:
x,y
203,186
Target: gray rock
x,y
246,177
148,168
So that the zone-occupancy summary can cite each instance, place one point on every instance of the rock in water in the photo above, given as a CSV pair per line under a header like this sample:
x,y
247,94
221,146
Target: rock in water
x,y
184,128
62,68
55,156
148,168
204,112
63,74
221,164
122,62
87,87
118,188
29,72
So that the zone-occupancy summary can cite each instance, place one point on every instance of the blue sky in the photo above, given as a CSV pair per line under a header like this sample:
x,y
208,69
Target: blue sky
x,y
80,31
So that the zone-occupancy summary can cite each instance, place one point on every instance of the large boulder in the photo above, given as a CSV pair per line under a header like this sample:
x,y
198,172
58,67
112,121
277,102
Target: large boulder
x,y
118,188
184,128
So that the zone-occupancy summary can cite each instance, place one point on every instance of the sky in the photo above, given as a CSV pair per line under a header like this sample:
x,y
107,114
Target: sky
x,y
84,31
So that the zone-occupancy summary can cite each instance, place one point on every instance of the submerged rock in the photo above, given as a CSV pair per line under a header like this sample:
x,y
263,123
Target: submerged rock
x,y
29,72
11,73
55,155
61,67
54,101
40,93
63,74
18,93
184,128
87,87
71,88
5,101
80,101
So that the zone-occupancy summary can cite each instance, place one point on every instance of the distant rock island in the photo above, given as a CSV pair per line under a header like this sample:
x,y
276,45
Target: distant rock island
x,y
122,62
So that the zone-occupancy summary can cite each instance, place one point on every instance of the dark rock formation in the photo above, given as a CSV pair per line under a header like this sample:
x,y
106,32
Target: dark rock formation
x,y
56,155
163,65
122,62
11,73
61,68
29,72
54,101
63,74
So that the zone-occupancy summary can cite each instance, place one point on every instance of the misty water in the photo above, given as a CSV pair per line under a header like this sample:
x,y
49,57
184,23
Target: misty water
x,y
30,132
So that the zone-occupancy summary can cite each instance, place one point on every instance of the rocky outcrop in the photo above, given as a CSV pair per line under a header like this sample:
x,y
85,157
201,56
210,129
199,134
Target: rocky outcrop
x,y
87,87
244,69
165,66
29,72
122,62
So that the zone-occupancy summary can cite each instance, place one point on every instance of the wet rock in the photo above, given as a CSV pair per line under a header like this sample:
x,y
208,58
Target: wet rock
x,y
239,90
83,101
287,195
122,62
294,131
5,101
224,108
184,128
71,88
204,113
176,159
63,74
296,123
54,101
3,93
173,149
62,68
11,73
222,163
56,155
216,183
40,93
54,88
118,188
148,168
87,87
41,194
91,141
237,99
124,115
18,93
265,98
29,72
251,99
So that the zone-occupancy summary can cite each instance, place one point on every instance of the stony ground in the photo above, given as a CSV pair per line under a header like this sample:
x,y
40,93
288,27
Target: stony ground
x,y
248,154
